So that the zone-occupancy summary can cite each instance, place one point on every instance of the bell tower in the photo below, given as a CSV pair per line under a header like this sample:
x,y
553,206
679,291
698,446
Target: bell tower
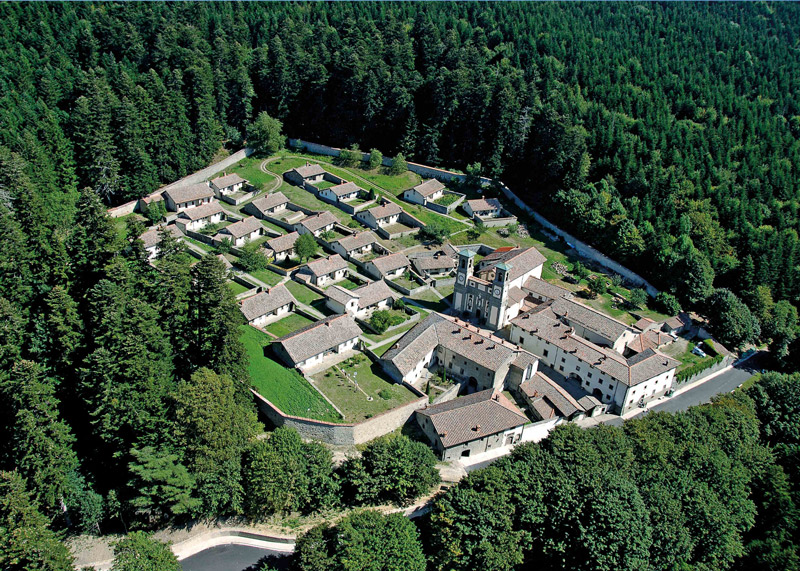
x,y
498,302
466,259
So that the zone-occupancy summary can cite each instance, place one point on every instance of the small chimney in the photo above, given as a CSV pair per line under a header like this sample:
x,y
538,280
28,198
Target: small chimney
x,y
477,428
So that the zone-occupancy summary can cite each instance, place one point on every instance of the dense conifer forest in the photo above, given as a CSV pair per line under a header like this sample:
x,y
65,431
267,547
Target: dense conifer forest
x,y
668,135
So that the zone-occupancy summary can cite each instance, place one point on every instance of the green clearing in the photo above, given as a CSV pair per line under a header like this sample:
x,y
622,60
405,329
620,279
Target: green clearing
x,y
250,169
236,288
395,184
323,184
306,199
301,293
429,217
288,324
267,276
430,301
285,388
378,338
337,384
446,199
348,284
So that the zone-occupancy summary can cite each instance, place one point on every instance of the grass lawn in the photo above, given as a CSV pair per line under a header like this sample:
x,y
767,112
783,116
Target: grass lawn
x,y
392,333
446,291
249,169
267,276
352,400
395,184
429,217
681,350
301,293
381,349
202,245
323,184
285,388
288,324
237,288
347,284
406,282
304,198
446,199
272,226
430,301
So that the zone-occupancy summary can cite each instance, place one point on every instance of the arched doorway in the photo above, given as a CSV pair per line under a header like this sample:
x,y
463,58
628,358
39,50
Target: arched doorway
x,y
473,383
598,394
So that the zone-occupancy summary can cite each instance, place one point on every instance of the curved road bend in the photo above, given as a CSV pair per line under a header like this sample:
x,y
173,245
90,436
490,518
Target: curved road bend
x,y
234,558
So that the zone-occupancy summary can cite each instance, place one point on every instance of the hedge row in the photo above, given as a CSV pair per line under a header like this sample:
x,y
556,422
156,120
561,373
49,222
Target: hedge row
x,y
698,367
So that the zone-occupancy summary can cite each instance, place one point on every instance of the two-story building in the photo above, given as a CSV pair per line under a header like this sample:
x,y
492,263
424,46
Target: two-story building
x,y
380,216
360,302
228,184
282,247
195,218
428,191
316,224
355,245
388,267
465,353
341,192
185,197
326,271
267,306
242,232
268,205
310,345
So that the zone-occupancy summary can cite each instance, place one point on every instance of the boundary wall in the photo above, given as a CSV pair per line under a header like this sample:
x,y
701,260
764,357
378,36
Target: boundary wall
x,y
579,246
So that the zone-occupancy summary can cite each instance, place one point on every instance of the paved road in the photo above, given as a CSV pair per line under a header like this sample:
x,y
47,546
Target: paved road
x,y
233,558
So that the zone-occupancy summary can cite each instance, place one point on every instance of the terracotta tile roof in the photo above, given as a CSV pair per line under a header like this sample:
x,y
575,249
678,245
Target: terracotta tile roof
x,y
678,321
643,323
339,294
308,170
243,227
270,201
202,211
648,340
516,295
481,204
319,337
426,263
183,194
327,265
150,237
472,417
318,221
283,243
591,319
226,262
388,209
227,180
389,263
429,187
345,188
266,302
356,241
373,293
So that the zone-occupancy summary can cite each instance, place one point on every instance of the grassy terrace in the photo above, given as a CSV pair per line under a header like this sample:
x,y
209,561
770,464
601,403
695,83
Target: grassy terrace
x,y
430,217
337,384
288,324
378,338
267,276
301,293
446,199
250,169
236,288
202,245
283,387
430,301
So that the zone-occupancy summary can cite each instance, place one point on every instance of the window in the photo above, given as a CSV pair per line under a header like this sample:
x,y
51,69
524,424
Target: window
x,y
563,360
589,375
610,386
561,368
545,352
577,368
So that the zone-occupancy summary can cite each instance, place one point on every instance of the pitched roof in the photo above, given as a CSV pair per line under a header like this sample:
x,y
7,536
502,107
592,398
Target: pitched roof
x,y
386,264
552,398
266,302
437,262
599,323
544,324
372,293
309,170
150,237
648,340
318,221
270,201
327,265
339,294
678,321
436,329
356,241
345,188
429,187
388,209
183,194
516,295
319,337
521,260
202,211
243,227
226,262
541,288
283,243
473,417
481,204
643,323
227,180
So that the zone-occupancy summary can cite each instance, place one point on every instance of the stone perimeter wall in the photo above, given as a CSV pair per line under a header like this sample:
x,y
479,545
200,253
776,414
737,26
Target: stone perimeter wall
x,y
581,247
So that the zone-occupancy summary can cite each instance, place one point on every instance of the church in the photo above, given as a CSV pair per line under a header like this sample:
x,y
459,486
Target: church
x,y
491,292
